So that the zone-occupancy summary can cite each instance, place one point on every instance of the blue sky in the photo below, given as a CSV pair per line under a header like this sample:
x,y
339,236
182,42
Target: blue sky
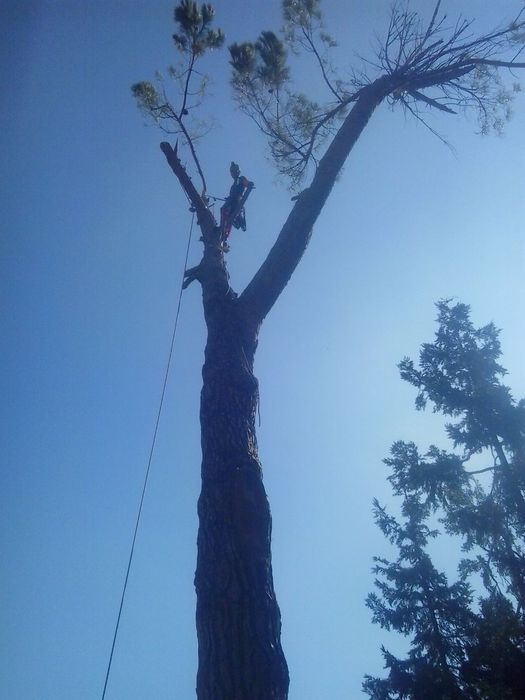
x,y
92,252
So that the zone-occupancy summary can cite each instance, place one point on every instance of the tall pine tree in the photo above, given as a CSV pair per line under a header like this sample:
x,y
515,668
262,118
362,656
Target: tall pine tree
x,y
421,63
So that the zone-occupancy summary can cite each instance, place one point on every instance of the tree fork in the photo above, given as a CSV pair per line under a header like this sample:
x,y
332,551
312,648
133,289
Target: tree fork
x,y
238,618
275,272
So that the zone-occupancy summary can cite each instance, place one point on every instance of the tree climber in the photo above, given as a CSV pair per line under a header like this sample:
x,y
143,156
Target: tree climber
x,y
232,211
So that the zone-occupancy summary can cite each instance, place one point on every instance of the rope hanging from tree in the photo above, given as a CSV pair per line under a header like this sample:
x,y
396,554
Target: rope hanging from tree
x,y
148,468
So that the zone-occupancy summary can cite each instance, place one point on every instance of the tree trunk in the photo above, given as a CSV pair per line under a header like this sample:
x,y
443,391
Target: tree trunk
x,y
238,619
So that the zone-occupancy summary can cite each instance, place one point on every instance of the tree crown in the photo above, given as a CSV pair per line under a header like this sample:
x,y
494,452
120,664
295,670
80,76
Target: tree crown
x,y
425,65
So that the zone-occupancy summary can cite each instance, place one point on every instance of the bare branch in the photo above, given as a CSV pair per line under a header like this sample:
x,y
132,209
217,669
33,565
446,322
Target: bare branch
x,y
321,63
496,64
432,22
429,101
204,215
480,471
426,125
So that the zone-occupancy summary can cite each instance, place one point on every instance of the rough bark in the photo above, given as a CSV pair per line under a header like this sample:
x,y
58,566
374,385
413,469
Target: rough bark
x,y
238,619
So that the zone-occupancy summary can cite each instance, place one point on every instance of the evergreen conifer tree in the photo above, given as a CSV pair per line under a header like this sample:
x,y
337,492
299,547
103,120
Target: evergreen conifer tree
x,y
459,374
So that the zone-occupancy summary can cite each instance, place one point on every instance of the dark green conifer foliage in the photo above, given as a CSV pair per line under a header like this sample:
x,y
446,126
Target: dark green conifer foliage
x,y
495,665
416,599
460,375
483,647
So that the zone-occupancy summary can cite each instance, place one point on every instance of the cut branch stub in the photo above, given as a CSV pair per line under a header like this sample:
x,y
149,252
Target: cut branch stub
x,y
204,216
190,275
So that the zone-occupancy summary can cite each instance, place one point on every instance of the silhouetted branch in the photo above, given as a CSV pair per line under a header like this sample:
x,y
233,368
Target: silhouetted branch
x,y
194,39
462,69
204,215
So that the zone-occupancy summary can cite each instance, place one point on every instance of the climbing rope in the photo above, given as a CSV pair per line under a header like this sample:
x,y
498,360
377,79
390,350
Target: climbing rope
x,y
152,448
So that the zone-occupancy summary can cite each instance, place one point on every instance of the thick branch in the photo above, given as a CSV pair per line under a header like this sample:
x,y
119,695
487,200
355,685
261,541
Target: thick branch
x,y
273,275
204,216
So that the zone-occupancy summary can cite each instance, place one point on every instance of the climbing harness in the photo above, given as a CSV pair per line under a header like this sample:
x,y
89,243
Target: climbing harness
x,y
232,211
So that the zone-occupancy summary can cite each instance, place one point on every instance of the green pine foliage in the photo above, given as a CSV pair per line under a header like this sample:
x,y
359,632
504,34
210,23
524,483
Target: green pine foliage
x,y
294,124
418,53
462,646
195,37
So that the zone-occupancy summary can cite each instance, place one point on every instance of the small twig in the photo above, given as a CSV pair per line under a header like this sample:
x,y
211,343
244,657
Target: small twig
x,y
321,64
433,131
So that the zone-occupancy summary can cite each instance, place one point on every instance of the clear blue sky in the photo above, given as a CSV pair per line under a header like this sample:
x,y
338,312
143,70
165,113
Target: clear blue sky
x,y
92,253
